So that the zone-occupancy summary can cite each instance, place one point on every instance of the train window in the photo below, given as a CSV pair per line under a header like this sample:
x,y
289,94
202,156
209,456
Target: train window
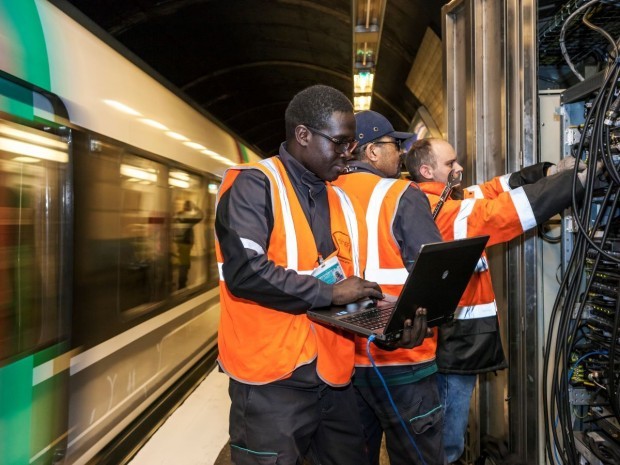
x,y
189,245
33,176
143,232
143,248
213,276
121,245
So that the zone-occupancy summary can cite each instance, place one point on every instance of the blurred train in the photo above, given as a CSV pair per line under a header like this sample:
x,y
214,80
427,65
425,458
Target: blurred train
x,y
108,298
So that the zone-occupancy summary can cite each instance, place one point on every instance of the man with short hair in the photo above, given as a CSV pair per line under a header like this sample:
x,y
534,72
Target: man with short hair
x,y
399,221
276,221
502,208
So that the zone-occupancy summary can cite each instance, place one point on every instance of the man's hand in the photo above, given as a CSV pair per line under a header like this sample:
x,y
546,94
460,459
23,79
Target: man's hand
x,y
583,176
353,289
414,333
565,164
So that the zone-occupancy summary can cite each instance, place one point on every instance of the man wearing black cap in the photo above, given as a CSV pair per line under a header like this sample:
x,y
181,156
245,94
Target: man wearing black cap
x,y
399,221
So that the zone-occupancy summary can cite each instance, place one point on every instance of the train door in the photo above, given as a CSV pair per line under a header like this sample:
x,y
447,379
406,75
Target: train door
x,y
35,199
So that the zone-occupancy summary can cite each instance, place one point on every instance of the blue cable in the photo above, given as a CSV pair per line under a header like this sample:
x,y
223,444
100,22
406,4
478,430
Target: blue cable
x,y
402,422
570,375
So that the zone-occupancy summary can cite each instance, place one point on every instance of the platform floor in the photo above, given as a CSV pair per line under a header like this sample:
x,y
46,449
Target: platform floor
x,y
197,432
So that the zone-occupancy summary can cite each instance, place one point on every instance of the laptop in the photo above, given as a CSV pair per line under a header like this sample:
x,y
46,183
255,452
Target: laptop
x,y
437,282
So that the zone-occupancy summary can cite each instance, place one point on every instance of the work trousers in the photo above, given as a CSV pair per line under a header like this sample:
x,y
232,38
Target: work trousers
x,y
278,424
419,407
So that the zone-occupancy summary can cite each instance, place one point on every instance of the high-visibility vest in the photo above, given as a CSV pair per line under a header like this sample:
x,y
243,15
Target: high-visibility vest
x,y
490,209
379,197
259,345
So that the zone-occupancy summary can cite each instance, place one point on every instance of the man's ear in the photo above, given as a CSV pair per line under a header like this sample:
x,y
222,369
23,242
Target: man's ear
x,y
370,153
427,172
302,134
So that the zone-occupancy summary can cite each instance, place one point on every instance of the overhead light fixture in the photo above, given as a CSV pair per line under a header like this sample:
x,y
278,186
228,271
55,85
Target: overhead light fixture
x,y
361,102
367,25
363,81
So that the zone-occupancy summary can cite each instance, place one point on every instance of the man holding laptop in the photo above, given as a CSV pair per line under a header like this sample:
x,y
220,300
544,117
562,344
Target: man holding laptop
x,y
279,224
402,224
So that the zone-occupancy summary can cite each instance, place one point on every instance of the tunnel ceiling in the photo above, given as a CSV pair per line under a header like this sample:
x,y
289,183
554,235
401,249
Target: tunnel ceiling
x,y
243,60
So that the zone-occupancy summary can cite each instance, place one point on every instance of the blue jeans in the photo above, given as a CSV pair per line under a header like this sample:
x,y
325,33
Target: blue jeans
x,y
455,392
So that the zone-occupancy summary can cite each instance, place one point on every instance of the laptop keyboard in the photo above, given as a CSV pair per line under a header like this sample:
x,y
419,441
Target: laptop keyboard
x,y
373,319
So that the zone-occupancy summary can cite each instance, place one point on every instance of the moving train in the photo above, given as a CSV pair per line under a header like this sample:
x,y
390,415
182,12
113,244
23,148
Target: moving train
x,y
108,280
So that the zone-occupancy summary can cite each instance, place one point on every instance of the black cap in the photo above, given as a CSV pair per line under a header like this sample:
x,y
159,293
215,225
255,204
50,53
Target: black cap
x,y
372,126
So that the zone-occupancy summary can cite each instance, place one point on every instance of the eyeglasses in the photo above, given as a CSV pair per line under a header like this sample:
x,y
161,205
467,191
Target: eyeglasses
x,y
342,146
398,143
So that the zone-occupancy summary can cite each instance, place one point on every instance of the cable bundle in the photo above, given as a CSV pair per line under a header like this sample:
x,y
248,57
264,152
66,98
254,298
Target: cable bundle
x,y
582,353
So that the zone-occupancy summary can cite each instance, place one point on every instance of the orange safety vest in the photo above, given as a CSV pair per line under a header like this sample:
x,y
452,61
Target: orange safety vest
x,y
379,198
489,208
259,345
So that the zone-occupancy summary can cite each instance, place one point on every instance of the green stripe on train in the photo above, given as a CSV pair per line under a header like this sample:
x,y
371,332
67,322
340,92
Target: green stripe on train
x,y
23,54
16,412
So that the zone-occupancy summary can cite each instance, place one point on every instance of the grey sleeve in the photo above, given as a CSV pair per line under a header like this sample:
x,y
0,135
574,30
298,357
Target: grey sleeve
x,y
414,225
243,224
528,175
551,195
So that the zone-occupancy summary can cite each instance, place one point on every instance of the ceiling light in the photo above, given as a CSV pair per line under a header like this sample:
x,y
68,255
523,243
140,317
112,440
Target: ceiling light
x,y
363,82
361,102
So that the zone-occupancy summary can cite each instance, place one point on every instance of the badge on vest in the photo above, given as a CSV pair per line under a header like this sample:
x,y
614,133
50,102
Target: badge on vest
x,y
329,271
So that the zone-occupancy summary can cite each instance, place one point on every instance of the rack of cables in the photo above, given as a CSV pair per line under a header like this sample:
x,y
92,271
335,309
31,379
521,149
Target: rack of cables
x,y
582,353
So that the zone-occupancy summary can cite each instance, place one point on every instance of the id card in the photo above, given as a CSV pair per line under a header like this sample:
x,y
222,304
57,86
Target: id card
x,y
330,271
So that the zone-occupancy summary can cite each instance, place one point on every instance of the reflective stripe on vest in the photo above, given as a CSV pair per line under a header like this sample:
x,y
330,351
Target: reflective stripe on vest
x,y
351,220
291,238
373,270
471,312
289,227
460,229
503,180
524,208
476,191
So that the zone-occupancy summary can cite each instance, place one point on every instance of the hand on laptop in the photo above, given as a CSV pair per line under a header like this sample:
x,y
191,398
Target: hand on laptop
x,y
353,289
415,332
